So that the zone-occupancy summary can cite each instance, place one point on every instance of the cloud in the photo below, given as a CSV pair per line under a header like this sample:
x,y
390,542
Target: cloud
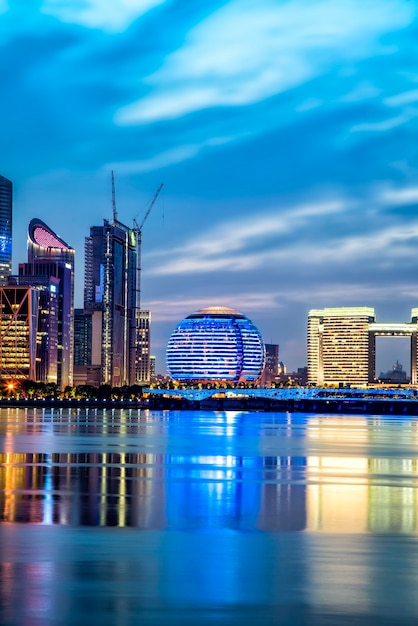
x,y
385,125
111,16
220,247
249,303
407,97
271,48
169,157
399,197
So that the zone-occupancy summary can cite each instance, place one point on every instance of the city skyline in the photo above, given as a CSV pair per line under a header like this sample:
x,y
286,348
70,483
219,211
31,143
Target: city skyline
x,y
286,150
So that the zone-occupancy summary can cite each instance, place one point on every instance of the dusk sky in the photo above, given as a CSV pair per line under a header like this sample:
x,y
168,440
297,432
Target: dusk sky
x,y
284,131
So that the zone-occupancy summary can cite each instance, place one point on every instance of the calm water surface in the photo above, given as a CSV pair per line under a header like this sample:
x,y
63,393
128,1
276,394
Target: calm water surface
x,y
120,518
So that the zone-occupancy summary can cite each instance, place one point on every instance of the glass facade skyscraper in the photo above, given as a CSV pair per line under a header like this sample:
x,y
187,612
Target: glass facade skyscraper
x,y
5,230
111,296
50,257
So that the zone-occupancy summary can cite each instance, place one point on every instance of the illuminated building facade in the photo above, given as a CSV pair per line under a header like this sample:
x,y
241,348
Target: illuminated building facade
x,y
215,344
111,296
6,193
46,370
342,345
143,341
50,257
18,332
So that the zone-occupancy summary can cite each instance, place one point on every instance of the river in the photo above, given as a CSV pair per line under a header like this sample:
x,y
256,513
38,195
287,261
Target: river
x,y
125,517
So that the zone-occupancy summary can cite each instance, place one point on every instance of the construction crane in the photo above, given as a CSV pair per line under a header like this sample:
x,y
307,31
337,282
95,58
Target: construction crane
x,y
115,215
148,211
137,229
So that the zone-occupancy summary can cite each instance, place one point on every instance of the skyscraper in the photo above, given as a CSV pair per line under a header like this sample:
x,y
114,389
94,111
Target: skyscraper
x,y
46,289
143,357
5,229
111,296
51,259
18,332
341,346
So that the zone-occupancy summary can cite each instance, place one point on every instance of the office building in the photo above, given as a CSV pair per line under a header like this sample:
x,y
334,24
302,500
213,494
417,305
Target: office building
x,y
18,332
46,368
82,338
5,230
51,261
143,341
216,344
153,367
272,359
111,297
342,345
340,350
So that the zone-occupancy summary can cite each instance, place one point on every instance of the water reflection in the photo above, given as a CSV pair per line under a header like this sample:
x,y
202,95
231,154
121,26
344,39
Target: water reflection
x,y
238,471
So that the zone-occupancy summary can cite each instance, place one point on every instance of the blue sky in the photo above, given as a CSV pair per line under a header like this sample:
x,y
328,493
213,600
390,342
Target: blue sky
x,y
285,133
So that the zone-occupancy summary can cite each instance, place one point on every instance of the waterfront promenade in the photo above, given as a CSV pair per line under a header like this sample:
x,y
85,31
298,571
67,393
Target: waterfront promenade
x,y
400,401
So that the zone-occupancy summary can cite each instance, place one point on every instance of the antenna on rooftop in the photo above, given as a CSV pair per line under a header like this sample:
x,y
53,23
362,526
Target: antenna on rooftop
x,y
115,215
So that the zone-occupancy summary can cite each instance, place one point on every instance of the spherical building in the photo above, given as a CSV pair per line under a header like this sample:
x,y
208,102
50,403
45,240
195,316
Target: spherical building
x,y
215,344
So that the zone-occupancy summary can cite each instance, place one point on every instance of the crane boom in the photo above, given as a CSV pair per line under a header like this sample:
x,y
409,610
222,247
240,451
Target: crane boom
x,y
153,201
115,215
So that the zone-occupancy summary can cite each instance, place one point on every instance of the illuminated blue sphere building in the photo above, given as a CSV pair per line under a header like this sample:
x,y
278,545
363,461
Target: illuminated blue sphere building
x,y
215,344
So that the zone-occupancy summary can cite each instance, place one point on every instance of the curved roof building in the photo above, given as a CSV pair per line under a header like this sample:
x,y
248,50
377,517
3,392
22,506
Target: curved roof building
x,y
215,344
50,257
44,244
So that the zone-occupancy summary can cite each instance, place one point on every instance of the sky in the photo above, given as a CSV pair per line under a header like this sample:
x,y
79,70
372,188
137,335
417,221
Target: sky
x,y
284,132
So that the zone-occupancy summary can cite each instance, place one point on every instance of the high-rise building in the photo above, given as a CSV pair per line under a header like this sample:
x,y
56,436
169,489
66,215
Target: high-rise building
x,y
5,230
46,368
152,366
18,332
272,359
341,346
271,367
50,257
82,338
143,359
111,297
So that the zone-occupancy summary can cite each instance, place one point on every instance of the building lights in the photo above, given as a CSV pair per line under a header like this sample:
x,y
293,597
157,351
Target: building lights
x,y
215,344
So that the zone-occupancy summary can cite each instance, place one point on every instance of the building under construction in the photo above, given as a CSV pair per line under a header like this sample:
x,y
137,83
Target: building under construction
x,y
112,298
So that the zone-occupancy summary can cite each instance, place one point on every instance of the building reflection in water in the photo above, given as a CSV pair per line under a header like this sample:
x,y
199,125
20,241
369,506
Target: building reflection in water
x,y
349,486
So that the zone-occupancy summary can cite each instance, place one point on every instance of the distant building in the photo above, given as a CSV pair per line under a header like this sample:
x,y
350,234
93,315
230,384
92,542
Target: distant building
x,y
271,367
272,359
396,375
111,297
152,367
18,332
6,201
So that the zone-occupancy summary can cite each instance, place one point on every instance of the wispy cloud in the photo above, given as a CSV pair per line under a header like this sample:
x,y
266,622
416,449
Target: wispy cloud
x,y
112,16
399,197
271,48
229,245
385,125
400,99
251,302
